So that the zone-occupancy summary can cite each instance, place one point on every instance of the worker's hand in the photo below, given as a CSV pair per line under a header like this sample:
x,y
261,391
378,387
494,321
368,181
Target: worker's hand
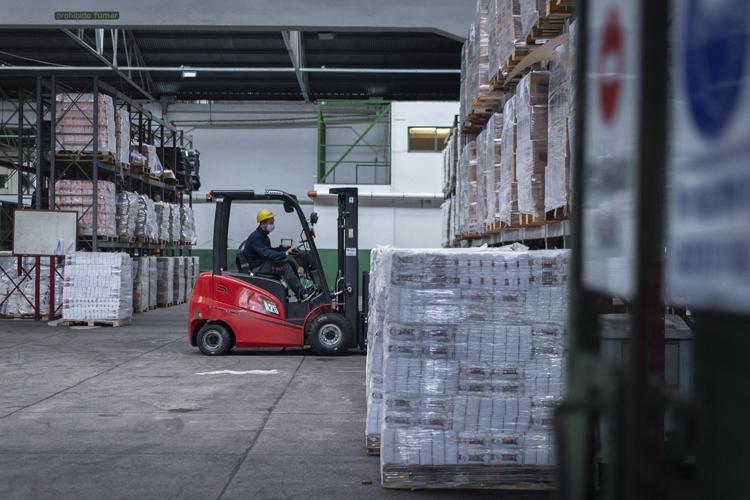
x,y
289,250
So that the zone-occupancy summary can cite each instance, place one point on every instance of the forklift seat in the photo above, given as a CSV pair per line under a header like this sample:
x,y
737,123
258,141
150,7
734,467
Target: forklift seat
x,y
244,267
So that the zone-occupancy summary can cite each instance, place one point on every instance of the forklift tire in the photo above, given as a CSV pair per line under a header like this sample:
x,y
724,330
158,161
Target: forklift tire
x,y
330,334
214,339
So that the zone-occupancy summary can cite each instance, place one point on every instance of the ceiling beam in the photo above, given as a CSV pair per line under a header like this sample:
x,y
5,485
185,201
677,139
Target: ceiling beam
x,y
293,42
234,69
111,66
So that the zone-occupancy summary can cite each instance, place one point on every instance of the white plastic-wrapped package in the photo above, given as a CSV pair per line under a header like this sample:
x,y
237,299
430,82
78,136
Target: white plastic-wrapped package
x,y
18,291
145,218
557,171
196,268
468,188
153,163
493,151
141,282
531,142
79,196
127,214
504,25
74,130
179,279
153,279
98,287
476,65
445,208
165,281
481,181
507,204
175,223
187,225
473,344
122,136
531,12
163,220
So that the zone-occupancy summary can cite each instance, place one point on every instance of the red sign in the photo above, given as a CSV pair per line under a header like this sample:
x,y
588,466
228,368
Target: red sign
x,y
611,65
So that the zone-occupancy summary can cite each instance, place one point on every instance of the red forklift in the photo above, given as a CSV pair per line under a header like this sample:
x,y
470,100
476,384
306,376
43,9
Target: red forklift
x,y
238,308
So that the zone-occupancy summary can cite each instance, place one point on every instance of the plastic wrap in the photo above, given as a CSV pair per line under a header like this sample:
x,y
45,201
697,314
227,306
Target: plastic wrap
x,y
122,136
127,214
175,223
141,282
481,180
165,281
531,141
493,142
137,159
504,25
17,291
153,163
445,209
145,218
468,186
78,196
98,286
557,172
531,12
473,344
163,220
179,279
189,272
187,225
572,100
508,193
153,279
74,130
475,60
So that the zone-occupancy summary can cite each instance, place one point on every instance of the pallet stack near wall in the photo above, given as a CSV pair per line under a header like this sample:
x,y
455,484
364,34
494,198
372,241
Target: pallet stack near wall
x,y
512,146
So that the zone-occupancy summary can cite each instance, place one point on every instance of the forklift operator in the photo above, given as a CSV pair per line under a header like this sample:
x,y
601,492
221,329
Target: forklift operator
x,y
263,259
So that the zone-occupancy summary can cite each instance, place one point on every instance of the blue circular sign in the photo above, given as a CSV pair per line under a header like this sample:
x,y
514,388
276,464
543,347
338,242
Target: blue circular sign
x,y
715,41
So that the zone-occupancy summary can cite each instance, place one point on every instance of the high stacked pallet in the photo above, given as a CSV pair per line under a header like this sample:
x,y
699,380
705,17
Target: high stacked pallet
x,y
146,224
508,194
493,152
472,366
163,221
507,44
74,130
531,145
78,196
122,137
126,215
98,288
165,281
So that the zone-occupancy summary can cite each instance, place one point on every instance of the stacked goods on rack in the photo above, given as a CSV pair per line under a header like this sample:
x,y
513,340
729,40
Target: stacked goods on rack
x,y
141,284
179,279
531,12
78,196
189,273
175,225
531,144
165,281
127,214
146,228
507,45
187,225
559,125
152,163
492,156
163,220
122,137
470,378
508,194
468,189
481,180
445,207
74,129
18,290
98,287
450,153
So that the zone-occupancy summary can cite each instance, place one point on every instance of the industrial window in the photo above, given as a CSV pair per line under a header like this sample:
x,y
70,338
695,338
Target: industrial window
x,y
428,138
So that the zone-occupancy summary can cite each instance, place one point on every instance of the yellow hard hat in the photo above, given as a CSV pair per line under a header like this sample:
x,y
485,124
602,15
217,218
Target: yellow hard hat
x,y
264,214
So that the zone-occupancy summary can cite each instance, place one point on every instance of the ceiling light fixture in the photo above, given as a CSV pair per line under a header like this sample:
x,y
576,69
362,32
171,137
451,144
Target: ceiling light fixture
x,y
189,73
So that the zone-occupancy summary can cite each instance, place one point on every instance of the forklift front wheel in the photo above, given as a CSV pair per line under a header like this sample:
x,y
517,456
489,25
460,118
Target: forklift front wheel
x,y
214,339
330,334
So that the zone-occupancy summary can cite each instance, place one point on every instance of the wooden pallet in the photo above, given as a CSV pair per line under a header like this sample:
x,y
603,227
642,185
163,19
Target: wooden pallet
x,y
550,24
17,317
98,322
166,304
81,157
143,239
559,213
107,238
495,227
498,80
530,220
470,476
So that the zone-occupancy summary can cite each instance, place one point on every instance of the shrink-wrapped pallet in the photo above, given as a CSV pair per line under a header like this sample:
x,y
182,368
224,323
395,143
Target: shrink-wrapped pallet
x,y
179,279
481,180
127,213
153,280
445,209
74,129
165,281
188,278
493,143
79,196
508,193
477,53
18,290
473,345
141,283
187,225
98,287
153,163
175,224
145,220
557,171
531,142
196,268
531,12
122,136
164,220
504,24
468,188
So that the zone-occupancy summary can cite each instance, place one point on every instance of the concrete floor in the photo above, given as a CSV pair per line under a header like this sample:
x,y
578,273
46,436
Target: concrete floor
x,y
121,413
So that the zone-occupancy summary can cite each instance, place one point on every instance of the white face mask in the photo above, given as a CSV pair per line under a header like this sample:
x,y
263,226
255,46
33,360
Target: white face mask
x,y
270,227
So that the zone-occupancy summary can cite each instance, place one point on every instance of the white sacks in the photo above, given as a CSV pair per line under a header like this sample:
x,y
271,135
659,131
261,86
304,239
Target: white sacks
x,y
472,360
98,286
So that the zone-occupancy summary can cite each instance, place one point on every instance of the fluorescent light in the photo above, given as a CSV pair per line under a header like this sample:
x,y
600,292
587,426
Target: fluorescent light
x,y
188,73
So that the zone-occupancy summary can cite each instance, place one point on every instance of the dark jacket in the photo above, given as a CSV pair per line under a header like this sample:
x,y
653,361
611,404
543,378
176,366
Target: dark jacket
x,y
258,249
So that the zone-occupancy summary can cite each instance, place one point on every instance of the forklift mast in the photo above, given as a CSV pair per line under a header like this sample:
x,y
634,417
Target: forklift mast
x,y
348,263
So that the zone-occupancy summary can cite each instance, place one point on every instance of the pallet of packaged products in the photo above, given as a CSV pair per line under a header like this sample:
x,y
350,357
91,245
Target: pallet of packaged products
x,y
544,19
507,212
179,279
141,283
492,156
74,128
165,281
472,365
146,223
122,137
153,282
126,211
18,289
78,196
98,288
374,362
507,43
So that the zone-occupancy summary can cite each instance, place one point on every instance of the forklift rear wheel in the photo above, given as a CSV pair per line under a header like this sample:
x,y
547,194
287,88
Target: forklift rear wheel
x,y
214,340
330,334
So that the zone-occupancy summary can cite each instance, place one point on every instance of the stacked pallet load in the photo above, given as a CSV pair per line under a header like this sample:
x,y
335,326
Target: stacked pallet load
x,y
141,283
165,281
74,129
175,224
507,44
468,187
559,126
152,163
122,137
153,282
78,196
187,225
472,366
531,145
126,215
163,221
493,150
18,289
189,273
508,194
146,224
481,180
542,20
98,288
374,363
179,279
